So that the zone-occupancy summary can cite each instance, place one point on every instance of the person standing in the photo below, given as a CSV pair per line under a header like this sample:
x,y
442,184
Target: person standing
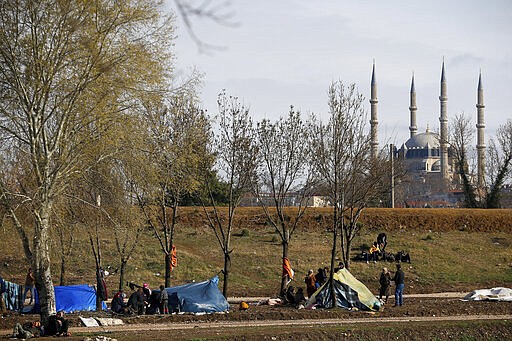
x,y
382,240
399,280
29,286
163,299
310,283
385,281
320,278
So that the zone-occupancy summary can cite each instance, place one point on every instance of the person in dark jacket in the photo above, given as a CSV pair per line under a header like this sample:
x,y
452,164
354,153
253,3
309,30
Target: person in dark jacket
x,y
118,306
299,297
385,282
382,241
399,280
320,277
136,302
57,325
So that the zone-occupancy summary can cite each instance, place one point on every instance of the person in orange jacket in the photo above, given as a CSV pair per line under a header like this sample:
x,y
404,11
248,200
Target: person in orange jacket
x,y
310,283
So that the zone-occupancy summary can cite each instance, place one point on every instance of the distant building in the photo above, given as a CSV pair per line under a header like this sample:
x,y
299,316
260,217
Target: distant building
x,y
431,177
293,199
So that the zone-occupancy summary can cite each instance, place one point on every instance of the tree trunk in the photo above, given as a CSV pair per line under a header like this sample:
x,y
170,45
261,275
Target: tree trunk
x,y
227,266
169,243
121,273
284,278
168,269
333,256
347,253
41,265
99,289
62,280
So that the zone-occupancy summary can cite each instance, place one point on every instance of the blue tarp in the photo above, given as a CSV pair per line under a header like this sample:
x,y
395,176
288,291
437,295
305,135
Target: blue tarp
x,y
69,298
200,297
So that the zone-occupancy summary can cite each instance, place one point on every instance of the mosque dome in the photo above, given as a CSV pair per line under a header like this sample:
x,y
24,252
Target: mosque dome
x,y
427,139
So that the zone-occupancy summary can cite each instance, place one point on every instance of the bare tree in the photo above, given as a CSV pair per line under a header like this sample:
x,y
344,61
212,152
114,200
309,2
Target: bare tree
x,y
219,13
462,136
342,158
236,153
285,175
499,166
67,68
65,228
179,135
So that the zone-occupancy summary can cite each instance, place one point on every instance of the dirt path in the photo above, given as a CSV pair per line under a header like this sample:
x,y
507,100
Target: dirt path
x,y
282,323
422,313
451,294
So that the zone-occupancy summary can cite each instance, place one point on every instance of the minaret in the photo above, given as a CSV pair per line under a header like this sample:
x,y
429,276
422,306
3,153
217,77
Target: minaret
x,y
413,128
374,143
480,126
443,120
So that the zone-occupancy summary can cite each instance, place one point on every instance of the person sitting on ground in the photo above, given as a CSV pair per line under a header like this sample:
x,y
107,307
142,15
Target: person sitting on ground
x,y
299,297
117,305
290,294
373,253
57,325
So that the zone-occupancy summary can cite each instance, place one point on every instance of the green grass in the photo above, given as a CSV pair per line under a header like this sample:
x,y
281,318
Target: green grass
x,y
441,259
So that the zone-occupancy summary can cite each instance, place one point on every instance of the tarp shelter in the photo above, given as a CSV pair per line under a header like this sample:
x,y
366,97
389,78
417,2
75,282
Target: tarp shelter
x,y
350,293
494,294
69,298
200,297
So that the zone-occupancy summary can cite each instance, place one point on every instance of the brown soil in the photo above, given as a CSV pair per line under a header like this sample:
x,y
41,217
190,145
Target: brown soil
x,y
454,319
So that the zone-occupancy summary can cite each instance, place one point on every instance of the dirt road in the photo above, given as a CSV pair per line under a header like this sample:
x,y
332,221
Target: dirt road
x,y
422,317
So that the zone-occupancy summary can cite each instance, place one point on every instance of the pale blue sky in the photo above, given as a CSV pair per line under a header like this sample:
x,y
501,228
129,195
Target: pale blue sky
x,y
288,52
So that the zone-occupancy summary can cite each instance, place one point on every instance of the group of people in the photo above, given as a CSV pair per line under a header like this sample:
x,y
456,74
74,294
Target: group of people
x,y
314,281
378,249
142,301
385,284
57,325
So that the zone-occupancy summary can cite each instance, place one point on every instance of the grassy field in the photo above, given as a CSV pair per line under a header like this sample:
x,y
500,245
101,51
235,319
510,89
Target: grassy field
x,y
451,249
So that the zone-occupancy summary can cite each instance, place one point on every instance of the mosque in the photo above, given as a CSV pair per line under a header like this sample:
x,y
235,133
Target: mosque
x,y
431,176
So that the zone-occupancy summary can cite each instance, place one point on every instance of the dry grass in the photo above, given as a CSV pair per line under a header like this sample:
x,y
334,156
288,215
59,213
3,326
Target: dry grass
x,y
450,249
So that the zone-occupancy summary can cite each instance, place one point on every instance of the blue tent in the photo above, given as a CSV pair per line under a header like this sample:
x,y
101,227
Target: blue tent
x,y
69,298
198,297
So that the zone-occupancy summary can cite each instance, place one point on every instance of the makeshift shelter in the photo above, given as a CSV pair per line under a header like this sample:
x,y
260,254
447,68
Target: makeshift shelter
x,y
201,297
69,298
350,293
